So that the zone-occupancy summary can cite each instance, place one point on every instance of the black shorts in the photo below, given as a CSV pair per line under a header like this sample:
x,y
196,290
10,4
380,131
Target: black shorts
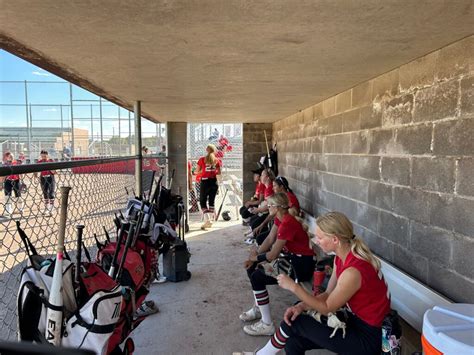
x,y
12,185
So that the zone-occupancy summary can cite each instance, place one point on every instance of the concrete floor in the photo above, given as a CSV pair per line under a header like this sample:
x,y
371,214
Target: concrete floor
x,y
201,316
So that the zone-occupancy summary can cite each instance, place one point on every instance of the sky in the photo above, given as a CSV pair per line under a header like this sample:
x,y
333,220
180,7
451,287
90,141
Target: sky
x,y
45,100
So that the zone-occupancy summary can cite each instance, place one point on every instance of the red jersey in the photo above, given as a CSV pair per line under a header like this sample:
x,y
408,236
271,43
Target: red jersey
x,y
198,177
268,191
209,171
15,176
293,200
297,240
260,189
371,302
46,172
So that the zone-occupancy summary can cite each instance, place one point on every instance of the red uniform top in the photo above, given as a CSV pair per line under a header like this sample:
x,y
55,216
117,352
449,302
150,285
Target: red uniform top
x,y
268,191
15,176
293,200
260,189
198,177
371,302
297,240
46,172
209,171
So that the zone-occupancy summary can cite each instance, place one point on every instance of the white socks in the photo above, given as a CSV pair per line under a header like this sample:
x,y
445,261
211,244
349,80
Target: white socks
x,y
263,301
268,349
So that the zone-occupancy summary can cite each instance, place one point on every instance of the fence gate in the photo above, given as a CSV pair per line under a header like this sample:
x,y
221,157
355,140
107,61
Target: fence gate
x,y
227,137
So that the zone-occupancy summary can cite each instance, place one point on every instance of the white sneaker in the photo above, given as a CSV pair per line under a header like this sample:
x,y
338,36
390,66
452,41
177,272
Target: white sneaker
x,y
207,224
259,328
250,315
249,234
159,280
249,241
9,209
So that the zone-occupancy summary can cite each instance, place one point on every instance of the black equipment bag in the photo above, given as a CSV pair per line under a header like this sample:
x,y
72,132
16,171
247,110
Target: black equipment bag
x,y
176,258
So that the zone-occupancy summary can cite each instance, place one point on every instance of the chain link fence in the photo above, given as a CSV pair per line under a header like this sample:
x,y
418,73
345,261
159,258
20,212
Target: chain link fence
x,y
228,140
68,121
100,188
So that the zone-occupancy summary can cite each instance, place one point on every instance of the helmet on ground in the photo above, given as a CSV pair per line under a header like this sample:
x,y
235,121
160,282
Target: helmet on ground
x,y
226,215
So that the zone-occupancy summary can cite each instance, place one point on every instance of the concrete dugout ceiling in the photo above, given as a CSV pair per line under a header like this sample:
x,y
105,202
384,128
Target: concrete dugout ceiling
x,y
247,61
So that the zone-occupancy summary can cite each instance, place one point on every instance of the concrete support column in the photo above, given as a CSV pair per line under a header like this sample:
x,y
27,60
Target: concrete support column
x,y
253,149
137,107
177,157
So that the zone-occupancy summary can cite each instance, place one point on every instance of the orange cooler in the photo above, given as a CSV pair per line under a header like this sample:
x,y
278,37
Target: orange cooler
x,y
449,330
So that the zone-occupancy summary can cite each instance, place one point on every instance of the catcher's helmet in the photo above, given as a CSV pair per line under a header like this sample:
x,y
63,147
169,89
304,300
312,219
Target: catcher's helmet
x,y
226,215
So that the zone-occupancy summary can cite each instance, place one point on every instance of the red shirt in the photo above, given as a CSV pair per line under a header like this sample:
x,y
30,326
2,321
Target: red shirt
x,y
46,172
209,171
371,302
198,177
268,191
260,189
293,200
297,240
12,177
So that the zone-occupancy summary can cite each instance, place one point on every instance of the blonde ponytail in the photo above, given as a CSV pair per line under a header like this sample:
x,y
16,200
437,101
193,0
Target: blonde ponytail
x,y
300,220
336,223
362,251
211,155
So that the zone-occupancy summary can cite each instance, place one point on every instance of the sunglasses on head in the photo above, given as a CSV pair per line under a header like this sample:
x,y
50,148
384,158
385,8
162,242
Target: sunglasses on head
x,y
271,205
282,181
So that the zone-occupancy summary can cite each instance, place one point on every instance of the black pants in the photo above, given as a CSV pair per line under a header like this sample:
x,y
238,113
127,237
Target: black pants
x,y
303,267
47,185
12,185
262,236
306,333
244,212
208,191
257,220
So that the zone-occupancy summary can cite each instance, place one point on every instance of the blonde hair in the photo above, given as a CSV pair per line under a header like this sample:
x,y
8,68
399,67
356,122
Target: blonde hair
x,y
211,156
336,223
281,199
270,173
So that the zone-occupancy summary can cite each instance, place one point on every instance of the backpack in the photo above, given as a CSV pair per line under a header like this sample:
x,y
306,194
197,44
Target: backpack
x,y
93,325
90,317
391,334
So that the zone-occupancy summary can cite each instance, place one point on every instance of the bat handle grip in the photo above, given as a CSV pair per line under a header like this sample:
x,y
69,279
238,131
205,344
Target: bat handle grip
x,y
80,231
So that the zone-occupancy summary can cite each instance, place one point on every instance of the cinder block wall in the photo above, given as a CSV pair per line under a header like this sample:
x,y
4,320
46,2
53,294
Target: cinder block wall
x,y
253,148
395,154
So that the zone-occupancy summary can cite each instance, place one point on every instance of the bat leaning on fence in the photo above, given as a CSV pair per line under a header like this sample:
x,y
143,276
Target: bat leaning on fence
x,y
54,315
222,204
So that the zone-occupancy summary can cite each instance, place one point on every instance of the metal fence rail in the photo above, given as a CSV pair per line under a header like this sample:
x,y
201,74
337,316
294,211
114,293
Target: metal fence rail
x,y
100,187
68,118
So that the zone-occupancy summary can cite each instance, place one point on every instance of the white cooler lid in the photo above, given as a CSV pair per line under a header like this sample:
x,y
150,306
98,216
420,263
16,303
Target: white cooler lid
x,y
450,328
